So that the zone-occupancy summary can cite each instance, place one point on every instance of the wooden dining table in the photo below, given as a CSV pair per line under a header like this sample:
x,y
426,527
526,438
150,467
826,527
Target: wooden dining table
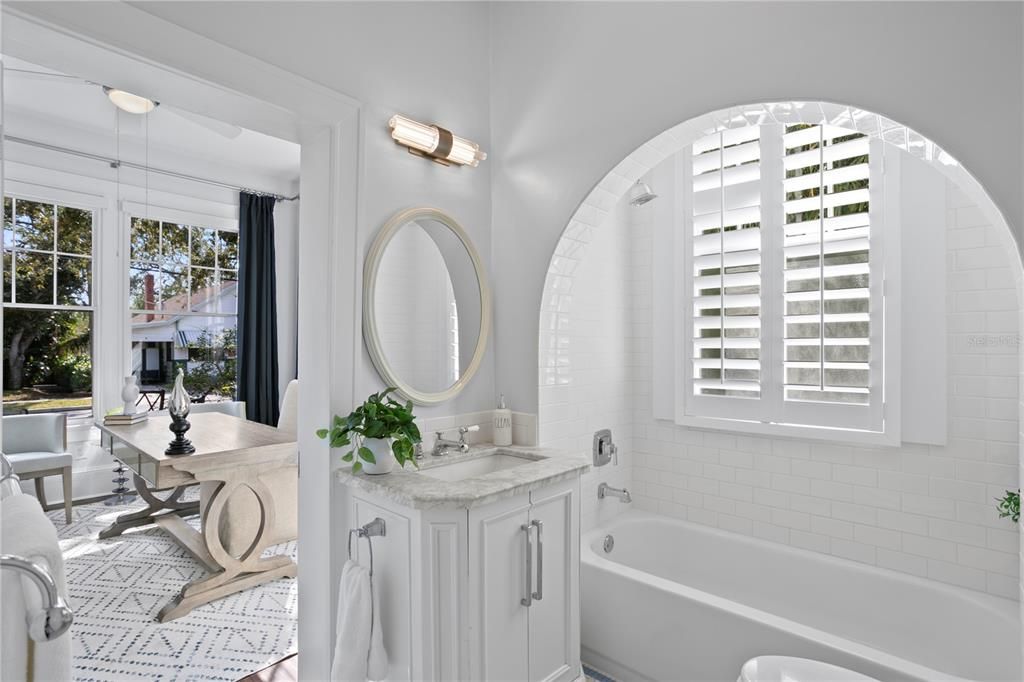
x,y
232,455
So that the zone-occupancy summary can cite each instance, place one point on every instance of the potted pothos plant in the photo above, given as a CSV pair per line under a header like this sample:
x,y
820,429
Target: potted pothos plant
x,y
378,433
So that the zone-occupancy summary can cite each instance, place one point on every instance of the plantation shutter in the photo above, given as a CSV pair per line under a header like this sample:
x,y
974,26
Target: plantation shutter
x,y
793,315
830,293
725,262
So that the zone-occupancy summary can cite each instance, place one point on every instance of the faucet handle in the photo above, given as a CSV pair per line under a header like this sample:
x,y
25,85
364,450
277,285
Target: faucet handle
x,y
463,430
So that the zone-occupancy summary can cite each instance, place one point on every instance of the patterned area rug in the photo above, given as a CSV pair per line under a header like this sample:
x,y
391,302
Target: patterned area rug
x,y
117,586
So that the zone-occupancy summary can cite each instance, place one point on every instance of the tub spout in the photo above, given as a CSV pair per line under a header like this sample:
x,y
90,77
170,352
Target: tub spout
x,y
604,490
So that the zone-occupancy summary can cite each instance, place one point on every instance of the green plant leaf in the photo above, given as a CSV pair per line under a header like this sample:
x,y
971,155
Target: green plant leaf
x,y
1009,506
367,455
321,433
347,457
357,467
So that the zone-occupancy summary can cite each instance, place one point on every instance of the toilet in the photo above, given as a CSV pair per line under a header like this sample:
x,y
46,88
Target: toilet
x,y
790,669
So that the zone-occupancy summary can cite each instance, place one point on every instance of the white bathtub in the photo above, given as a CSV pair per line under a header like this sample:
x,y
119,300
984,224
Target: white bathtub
x,y
678,601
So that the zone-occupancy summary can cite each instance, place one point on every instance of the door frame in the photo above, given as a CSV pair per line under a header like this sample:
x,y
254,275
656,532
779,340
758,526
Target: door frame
x,y
208,78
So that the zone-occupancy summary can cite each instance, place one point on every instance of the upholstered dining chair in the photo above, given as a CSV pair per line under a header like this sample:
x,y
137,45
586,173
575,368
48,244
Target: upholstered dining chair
x,y
36,446
236,408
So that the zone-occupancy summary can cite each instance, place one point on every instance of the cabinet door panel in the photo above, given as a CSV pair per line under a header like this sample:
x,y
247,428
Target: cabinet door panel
x,y
554,617
392,578
498,581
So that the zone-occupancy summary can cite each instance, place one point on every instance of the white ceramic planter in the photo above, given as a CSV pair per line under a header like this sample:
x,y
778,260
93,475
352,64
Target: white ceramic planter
x,y
381,449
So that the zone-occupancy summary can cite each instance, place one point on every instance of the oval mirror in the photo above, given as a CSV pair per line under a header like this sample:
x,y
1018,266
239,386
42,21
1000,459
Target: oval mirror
x,y
426,305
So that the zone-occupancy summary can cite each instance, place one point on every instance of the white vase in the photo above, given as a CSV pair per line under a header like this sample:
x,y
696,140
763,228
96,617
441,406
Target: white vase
x,y
381,449
129,394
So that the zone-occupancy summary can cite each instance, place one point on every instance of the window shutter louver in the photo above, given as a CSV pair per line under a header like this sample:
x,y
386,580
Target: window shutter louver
x,y
726,262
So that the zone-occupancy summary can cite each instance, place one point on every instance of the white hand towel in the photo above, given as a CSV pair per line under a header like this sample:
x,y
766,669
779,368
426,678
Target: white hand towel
x,y
25,531
377,661
359,652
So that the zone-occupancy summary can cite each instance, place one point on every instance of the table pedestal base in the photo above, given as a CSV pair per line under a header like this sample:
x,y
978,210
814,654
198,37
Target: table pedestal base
x,y
155,509
228,573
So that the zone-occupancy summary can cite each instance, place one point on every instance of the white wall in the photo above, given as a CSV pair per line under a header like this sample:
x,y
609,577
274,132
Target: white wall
x,y
286,249
576,87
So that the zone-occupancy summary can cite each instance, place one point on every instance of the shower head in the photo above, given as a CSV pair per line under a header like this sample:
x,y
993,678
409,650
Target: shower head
x,y
640,194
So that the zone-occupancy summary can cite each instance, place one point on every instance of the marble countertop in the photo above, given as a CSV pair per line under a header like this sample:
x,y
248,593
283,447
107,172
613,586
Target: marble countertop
x,y
411,488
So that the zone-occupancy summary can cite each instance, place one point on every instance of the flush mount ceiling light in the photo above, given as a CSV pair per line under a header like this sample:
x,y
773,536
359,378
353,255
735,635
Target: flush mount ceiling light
x,y
126,101
434,142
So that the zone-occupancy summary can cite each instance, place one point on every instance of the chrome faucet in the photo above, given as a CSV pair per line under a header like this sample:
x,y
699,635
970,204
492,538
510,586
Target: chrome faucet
x,y
604,490
442,445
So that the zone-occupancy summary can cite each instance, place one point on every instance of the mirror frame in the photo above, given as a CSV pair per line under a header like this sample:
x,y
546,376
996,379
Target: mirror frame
x,y
372,339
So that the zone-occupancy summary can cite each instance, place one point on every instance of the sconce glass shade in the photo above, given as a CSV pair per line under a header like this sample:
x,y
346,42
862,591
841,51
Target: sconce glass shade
x,y
126,101
435,142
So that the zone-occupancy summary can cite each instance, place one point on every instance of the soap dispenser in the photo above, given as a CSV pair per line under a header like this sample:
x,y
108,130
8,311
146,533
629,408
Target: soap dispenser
x,y
502,424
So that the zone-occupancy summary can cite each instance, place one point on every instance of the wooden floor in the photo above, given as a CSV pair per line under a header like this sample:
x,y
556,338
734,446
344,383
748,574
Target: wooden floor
x,y
285,670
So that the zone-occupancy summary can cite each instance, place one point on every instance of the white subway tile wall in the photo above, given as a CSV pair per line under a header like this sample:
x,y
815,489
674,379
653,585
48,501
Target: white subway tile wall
x,y
923,510
585,374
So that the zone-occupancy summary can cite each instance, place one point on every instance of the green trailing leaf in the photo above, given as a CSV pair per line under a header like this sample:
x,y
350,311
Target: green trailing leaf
x,y
380,416
356,468
1009,505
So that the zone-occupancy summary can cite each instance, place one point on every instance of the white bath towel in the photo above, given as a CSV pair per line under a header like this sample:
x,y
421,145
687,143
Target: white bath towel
x,y
359,653
25,531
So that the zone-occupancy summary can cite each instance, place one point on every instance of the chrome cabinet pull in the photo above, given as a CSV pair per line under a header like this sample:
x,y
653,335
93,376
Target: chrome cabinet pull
x,y
539,594
528,599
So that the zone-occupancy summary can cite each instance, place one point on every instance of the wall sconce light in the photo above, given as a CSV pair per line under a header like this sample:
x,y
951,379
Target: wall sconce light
x,y
434,142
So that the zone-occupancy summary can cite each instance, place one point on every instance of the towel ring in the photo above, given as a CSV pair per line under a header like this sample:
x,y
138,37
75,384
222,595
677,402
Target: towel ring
x,y
375,528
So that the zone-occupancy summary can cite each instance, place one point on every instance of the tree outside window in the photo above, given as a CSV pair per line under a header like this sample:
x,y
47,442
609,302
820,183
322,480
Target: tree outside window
x,y
47,298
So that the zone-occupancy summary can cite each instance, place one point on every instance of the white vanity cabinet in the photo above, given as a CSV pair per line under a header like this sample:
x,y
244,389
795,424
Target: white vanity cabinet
x,y
485,593
524,587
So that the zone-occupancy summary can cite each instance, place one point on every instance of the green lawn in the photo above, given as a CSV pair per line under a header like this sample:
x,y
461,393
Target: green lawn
x,y
18,401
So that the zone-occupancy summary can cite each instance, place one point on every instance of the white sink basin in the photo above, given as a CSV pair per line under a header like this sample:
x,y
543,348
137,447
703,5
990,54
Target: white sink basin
x,y
472,468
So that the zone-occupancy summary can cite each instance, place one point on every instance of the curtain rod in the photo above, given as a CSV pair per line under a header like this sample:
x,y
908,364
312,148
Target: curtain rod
x,y
116,163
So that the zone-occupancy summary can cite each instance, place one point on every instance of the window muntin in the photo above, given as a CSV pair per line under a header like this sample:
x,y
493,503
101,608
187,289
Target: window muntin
x,y
47,299
182,269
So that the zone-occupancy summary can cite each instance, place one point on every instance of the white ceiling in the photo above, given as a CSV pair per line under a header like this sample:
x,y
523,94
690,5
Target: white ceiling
x,y
73,113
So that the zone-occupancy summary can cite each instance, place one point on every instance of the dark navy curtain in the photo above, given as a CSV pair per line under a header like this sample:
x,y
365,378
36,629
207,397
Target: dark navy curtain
x,y
257,309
